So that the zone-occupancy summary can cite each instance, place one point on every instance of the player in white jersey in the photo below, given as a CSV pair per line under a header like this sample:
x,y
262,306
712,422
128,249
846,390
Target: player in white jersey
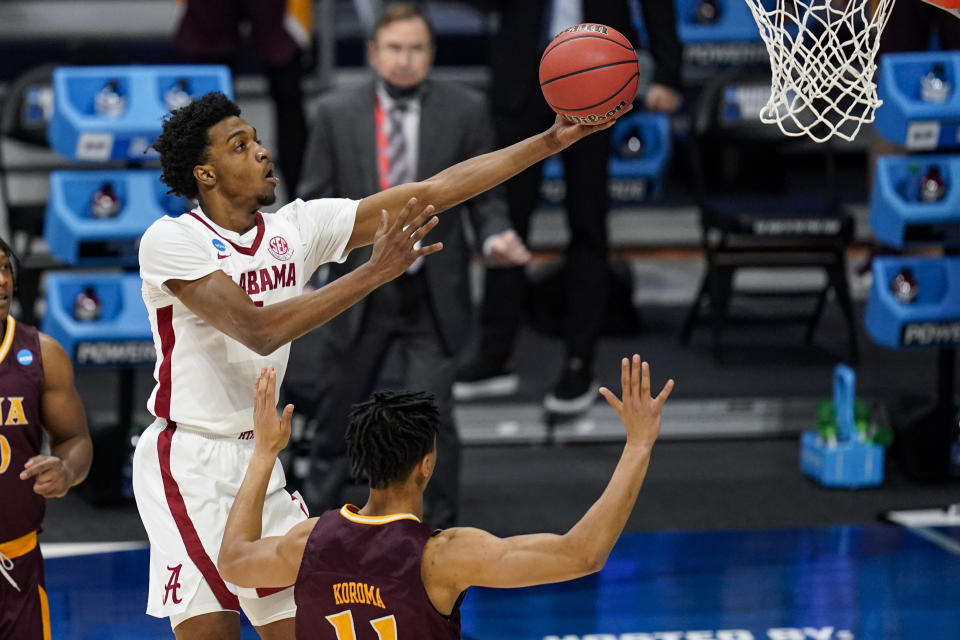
x,y
270,263
223,284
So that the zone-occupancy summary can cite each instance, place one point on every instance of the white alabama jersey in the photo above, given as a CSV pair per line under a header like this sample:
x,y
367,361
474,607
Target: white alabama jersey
x,y
204,377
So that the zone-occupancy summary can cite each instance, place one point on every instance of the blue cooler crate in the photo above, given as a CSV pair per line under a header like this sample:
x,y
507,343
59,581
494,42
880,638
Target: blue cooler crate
x,y
120,338
847,463
632,180
79,133
734,23
898,217
639,179
931,320
75,237
904,117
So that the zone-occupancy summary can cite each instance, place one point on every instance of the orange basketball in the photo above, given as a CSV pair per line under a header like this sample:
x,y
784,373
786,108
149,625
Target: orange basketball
x,y
589,73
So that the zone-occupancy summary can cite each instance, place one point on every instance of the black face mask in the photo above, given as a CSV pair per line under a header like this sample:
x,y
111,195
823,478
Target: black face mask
x,y
401,93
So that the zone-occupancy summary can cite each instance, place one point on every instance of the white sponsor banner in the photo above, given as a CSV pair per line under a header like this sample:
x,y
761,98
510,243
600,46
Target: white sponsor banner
x,y
777,633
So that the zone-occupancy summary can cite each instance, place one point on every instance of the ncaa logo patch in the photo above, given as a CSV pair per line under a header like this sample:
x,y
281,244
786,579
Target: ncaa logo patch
x,y
279,248
25,357
219,245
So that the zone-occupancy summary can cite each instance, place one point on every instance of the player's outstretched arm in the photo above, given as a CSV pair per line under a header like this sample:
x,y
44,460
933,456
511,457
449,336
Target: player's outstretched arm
x,y
458,558
471,177
245,558
65,422
219,301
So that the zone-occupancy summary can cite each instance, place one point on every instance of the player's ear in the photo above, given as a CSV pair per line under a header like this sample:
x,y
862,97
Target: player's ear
x,y
425,467
205,175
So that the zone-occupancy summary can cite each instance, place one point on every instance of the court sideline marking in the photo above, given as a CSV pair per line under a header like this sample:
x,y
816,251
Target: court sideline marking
x,y
922,521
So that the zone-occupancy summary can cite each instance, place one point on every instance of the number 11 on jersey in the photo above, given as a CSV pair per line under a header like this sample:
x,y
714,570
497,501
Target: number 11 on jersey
x,y
385,627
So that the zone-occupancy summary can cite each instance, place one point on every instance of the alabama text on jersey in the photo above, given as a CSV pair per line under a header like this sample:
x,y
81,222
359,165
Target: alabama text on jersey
x,y
203,376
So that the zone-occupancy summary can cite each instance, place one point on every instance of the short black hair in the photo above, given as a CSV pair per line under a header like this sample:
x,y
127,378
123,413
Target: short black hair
x,y
14,261
389,434
185,139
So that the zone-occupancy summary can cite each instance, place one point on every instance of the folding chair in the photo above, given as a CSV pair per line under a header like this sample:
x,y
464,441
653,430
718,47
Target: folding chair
x,y
766,201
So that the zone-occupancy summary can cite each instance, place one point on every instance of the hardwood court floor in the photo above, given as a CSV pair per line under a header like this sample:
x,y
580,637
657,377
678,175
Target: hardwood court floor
x,y
866,582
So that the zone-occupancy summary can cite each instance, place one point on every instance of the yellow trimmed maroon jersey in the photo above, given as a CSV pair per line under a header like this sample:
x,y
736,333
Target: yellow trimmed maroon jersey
x,y
360,580
21,433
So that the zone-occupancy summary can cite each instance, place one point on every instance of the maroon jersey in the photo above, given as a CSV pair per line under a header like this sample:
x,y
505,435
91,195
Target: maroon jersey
x,y
360,580
21,434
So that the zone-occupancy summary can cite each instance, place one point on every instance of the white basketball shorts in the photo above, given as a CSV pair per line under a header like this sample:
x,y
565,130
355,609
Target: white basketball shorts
x,y
184,482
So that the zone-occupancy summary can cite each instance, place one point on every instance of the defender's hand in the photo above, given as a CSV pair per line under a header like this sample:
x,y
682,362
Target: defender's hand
x,y
270,433
639,413
393,245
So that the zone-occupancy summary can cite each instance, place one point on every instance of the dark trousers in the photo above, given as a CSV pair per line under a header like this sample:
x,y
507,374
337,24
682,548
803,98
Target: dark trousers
x,y
290,119
209,32
398,313
586,170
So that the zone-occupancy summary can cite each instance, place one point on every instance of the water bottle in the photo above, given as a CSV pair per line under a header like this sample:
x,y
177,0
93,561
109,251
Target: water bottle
x,y
828,435
909,187
904,286
86,306
632,145
104,203
934,87
706,12
126,472
108,101
126,477
37,106
178,95
932,185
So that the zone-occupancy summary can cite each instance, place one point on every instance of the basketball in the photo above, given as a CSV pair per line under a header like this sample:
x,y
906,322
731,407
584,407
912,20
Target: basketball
x,y
589,73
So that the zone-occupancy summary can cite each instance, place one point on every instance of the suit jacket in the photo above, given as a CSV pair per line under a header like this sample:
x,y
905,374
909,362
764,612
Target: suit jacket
x,y
518,45
341,161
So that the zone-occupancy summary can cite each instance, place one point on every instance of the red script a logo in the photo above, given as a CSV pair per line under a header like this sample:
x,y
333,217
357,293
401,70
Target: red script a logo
x,y
170,589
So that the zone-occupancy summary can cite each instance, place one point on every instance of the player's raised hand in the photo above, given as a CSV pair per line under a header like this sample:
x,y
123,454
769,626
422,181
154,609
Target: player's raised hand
x,y
270,432
567,131
638,411
394,247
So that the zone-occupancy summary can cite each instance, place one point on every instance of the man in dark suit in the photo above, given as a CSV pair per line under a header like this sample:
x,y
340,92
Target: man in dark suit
x,y
393,129
520,110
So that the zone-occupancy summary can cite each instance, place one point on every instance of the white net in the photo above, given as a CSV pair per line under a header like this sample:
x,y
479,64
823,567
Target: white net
x,y
822,57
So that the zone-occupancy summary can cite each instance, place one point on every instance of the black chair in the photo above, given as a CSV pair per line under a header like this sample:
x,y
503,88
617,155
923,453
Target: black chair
x,y
766,201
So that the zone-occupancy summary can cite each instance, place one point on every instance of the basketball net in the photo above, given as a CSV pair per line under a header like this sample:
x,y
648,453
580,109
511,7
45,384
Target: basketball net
x,y
822,59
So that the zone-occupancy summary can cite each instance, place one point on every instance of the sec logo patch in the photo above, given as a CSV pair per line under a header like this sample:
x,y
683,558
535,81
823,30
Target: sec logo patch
x,y
279,248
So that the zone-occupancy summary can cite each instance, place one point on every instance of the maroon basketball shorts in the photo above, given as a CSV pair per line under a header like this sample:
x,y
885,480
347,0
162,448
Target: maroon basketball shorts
x,y
24,612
